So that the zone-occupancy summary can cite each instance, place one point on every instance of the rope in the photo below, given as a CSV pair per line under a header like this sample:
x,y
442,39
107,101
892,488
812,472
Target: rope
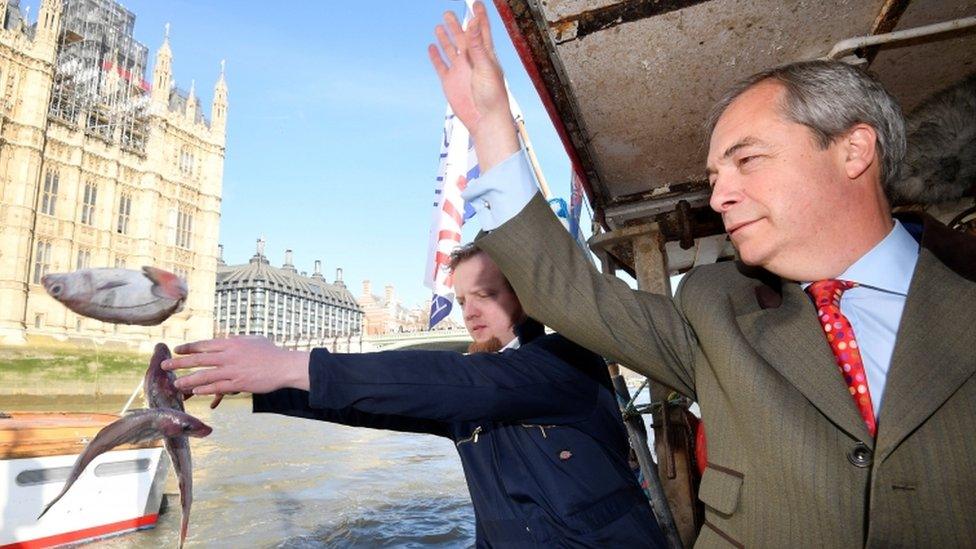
x,y
631,409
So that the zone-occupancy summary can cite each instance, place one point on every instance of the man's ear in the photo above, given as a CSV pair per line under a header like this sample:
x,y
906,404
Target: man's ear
x,y
861,150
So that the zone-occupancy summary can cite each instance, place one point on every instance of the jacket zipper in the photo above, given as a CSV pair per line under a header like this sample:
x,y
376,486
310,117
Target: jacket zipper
x,y
473,439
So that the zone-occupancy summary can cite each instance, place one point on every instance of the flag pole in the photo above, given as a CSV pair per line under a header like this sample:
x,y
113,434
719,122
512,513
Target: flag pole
x,y
524,134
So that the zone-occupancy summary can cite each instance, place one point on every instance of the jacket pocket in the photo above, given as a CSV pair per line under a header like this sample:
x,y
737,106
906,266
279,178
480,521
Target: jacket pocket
x,y
543,429
720,489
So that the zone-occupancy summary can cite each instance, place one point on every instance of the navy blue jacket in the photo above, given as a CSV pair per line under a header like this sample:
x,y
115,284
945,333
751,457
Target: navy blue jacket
x,y
538,430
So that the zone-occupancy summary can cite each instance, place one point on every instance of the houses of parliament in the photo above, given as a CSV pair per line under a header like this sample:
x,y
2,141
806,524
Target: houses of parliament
x,y
100,167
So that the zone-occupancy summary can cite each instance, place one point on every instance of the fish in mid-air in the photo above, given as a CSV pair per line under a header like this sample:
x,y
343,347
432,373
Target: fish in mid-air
x,y
120,296
134,427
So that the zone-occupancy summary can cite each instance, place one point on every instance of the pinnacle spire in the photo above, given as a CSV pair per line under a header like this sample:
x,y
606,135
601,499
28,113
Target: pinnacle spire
x,y
164,48
221,80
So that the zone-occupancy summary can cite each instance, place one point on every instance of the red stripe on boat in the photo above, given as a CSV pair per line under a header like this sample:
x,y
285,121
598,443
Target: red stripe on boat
x,y
87,533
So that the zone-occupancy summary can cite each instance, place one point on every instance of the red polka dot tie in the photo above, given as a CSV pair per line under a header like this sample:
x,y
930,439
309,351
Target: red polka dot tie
x,y
840,335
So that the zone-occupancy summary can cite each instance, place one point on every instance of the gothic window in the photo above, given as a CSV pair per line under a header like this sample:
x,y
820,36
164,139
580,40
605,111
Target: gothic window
x,y
187,161
125,211
84,259
50,196
88,204
183,229
119,262
42,260
188,230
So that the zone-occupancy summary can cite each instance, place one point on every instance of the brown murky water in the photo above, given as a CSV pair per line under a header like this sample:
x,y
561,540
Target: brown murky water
x,y
262,480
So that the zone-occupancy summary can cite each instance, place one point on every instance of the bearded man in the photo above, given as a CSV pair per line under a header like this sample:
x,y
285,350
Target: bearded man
x,y
534,416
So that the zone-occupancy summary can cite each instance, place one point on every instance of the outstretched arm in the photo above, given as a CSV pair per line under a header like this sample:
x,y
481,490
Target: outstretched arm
x,y
538,382
474,85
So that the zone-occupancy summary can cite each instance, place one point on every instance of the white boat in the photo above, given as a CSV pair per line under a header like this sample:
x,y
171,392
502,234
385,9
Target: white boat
x,y
120,491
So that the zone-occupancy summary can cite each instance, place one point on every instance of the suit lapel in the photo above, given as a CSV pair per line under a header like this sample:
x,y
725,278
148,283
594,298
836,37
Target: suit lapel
x,y
933,350
790,338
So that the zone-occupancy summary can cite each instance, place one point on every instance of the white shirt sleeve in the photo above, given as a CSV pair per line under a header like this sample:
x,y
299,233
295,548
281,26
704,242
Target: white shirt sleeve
x,y
500,193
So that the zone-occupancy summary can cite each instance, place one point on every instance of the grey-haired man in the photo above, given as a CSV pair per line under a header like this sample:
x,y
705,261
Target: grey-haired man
x,y
833,363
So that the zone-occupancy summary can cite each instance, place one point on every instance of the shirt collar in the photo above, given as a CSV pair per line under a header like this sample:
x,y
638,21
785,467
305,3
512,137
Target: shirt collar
x,y
513,344
889,265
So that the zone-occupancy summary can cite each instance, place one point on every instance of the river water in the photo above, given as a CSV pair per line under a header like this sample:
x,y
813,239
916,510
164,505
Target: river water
x,y
262,480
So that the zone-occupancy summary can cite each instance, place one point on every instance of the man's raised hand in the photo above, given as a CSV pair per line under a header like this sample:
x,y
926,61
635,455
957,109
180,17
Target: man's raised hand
x,y
474,85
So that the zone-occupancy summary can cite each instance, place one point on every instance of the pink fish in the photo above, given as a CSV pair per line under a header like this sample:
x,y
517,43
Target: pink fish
x,y
165,419
162,393
120,296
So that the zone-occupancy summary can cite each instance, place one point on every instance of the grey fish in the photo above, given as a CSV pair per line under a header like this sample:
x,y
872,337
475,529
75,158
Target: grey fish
x,y
135,427
120,296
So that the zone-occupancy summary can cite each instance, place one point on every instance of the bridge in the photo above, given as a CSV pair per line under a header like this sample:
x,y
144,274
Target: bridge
x,y
454,339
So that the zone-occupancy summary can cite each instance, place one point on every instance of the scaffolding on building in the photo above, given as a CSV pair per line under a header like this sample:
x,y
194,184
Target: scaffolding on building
x,y
13,19
99,75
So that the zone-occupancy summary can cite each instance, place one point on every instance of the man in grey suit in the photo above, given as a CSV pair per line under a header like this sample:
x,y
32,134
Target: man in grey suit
x,y
833,362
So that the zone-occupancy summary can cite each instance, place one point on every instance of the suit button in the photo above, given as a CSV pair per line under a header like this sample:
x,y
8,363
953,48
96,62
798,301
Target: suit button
x,y
860,455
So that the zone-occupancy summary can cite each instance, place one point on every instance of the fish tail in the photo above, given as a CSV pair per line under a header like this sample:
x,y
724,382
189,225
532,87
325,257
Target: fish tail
x,y
53,501
80,463
186,487
166,284
184,524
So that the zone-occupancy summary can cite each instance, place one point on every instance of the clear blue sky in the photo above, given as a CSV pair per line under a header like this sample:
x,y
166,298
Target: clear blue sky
x,y
333,128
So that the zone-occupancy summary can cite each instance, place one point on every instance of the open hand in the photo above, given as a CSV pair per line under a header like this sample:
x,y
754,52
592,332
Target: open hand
x,y
248,363
474,85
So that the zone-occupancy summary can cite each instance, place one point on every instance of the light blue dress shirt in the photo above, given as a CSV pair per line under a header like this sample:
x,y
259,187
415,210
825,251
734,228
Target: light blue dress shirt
x,y
873,308
875,305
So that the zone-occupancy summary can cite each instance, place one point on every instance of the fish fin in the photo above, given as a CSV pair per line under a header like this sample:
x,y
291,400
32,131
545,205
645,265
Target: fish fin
x,y
165,284
111,284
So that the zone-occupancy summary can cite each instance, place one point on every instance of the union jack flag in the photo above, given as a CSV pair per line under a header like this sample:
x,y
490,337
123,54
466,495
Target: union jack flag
x,y
458,166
